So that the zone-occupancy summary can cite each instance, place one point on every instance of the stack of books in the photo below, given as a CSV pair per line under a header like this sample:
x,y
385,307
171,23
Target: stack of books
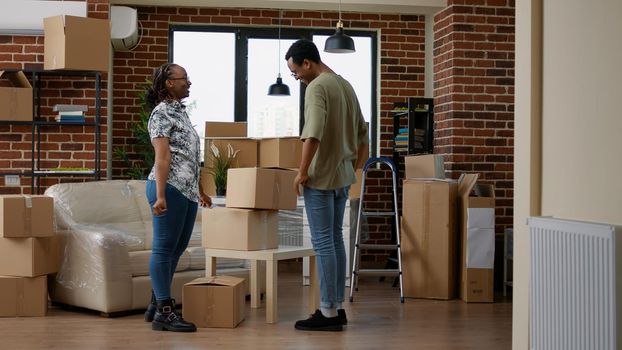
x,y
70,113
401,140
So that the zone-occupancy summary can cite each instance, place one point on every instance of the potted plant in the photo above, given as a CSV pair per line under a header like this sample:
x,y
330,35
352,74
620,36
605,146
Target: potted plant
x,y
220,164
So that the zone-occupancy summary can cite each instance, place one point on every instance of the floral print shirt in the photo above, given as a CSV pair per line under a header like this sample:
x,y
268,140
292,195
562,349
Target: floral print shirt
x,y
169,119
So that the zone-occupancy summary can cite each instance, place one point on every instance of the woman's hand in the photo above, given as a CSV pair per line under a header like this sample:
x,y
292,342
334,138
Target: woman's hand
x,y
159,207
205,200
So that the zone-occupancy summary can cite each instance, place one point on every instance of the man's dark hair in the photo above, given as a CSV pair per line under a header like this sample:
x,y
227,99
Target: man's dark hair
x,y
301,50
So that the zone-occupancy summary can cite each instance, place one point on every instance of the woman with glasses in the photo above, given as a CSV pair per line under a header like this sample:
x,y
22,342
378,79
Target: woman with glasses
x,y
173,190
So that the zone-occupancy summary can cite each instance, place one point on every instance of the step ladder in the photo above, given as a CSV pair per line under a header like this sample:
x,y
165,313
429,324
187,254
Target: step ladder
x,y
356,271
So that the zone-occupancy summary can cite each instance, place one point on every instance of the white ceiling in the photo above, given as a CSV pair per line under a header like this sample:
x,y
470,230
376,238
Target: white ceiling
x,y
374,6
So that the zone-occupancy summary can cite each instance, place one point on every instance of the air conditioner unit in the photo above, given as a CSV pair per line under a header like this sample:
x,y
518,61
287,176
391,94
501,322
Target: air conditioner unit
x,y
124,29
25,17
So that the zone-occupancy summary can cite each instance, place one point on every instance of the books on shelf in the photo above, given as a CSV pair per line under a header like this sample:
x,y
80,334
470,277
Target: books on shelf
x,y
70,116
70,108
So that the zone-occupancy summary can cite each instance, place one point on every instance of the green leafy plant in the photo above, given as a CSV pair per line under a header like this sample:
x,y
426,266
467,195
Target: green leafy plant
x,y
140,161
220,164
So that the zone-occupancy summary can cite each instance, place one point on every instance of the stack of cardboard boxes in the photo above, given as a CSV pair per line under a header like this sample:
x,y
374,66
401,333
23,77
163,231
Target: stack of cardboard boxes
x,y
259,186
28,253
447,233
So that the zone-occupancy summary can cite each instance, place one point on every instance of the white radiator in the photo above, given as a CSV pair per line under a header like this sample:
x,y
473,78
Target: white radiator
x,y
575,285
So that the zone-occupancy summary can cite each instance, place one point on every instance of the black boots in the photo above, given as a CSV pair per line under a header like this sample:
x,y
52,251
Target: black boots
x,y
317,322
166,319
151,308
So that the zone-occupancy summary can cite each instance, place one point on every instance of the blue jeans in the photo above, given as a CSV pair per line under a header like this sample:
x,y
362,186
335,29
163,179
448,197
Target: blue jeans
x,y
171,234
325,209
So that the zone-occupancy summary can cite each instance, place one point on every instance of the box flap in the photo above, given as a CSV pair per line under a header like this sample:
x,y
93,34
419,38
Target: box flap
x,y
17,79
216,281
466,183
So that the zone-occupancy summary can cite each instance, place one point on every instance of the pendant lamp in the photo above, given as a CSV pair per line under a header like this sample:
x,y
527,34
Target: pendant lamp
x,y
339,42
278,88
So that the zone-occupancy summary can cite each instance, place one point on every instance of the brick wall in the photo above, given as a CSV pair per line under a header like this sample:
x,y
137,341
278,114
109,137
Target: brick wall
x,y
61,146
474,94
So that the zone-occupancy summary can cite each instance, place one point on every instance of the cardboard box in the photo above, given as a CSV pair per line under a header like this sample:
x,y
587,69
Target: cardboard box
x,y
240,229
477,239
355,189
23,296
226,129
216,301
424,166
247,151
429,238
16,101
283,152
26,216
207,182
29,257
259,188
76,43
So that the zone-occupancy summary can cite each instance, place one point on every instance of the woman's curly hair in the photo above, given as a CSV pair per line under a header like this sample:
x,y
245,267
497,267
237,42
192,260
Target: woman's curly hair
x,y
157,92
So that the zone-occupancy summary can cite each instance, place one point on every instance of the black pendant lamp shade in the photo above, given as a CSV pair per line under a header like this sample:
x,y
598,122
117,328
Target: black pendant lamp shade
x,y
339,42
278,88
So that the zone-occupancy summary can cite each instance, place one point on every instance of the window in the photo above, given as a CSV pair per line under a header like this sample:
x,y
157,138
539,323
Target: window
x,y
234,67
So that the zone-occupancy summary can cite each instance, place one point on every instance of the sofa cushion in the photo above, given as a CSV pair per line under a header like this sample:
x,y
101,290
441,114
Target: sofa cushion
x,y
139,262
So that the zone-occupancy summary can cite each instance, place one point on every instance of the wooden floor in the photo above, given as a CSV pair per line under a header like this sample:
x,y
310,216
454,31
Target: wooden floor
x,y
376,318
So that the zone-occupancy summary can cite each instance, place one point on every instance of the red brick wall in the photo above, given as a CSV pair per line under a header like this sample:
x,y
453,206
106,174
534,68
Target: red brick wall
x,y
474,94
61,146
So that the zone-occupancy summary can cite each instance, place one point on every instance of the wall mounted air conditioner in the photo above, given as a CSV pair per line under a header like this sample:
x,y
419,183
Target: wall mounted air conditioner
x,y
124,28
25,17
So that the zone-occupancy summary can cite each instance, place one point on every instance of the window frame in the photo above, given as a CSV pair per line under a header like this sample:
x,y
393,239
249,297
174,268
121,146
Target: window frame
x,y
242,34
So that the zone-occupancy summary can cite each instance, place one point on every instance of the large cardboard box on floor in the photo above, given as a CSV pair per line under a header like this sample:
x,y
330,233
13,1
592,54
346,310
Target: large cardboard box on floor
x,y
23,296
477,239
225,129
76,43
16,100
259,188
29,257
424,166
429,238
246,156
26,216
240,229
282,152
216,301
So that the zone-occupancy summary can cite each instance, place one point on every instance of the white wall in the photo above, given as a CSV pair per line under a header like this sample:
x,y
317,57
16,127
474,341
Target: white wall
x,y
570,143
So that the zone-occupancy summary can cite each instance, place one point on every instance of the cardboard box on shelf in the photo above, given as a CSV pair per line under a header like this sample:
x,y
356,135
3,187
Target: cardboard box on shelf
x,y
225,129
247,151
477,238
260,188
240,229
282,152
16,100
216,301
26,216
429,238
424,166
76,43
29,257
23,296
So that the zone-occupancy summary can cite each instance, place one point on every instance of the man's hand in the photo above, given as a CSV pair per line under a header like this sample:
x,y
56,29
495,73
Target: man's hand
x,y
205,200
300,179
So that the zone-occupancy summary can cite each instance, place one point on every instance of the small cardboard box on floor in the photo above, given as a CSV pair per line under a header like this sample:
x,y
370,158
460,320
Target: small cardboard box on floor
x,y
283,152
29,257
76,43
477,239
259,188
429,238
26,216
216,301
23,296
16,100
240,229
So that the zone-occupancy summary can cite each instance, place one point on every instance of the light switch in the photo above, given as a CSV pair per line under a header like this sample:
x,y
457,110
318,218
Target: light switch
x,y
11,180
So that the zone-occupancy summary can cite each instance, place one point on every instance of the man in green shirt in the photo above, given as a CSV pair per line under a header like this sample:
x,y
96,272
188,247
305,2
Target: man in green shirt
x,y
335,140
